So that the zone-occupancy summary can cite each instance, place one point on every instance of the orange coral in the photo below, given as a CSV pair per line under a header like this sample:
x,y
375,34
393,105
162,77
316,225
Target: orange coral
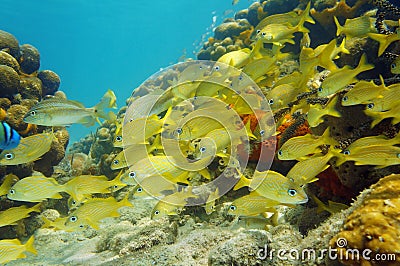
x,y
331,185
341,9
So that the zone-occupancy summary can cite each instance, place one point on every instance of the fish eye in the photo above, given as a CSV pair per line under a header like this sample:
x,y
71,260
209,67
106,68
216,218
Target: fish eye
x,y
216,68
232,208
73,202
393,65
202,149
179,130
73,219
263,34
240,77
346,152
292,192
81,226
12,191
115,162
262,132
271,101
280,152
398,155
115,186
345,98
139,189
33,113
157,212
258,31
118,138
132,174
370,105
320,89
9,156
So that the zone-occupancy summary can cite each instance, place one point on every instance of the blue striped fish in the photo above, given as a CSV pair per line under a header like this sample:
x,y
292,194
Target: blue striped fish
x,y
9,138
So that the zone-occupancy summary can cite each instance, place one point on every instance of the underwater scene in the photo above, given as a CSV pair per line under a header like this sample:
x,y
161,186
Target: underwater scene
x,y
223,133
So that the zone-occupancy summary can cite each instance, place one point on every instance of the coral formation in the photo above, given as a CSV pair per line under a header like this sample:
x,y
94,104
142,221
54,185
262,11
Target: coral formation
x,y
374,225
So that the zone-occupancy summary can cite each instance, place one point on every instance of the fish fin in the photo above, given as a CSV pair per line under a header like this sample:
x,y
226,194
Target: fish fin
x,y
339,27
327,139
107,101
125,201
92,224
243,182
377,117
36,208
307,16
29,245
57,196
363,64
204,172
382,39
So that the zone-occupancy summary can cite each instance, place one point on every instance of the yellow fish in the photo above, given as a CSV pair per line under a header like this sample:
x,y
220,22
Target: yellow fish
x,y
305,172
155,186
386,100
96,209
279,34
138,131
260,67
8,181
280,96
237,58
30,149
171,204
342,77
217,141
317,112
363,92
134,153
251,205
35,189
12,249
82,186
298,147
377,117
356,27
292,17
12,215
274,186
62,112
59,224
322,56
380,156
157,165
379,140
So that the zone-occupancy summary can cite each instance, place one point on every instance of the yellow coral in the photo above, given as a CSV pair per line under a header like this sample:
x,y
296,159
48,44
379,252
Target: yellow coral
x,y
374,225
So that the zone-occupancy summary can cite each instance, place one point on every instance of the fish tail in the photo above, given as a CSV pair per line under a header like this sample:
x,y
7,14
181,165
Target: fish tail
x,y
339,27
36,208
67,188
307,16
304,15
29,245
125,201
327,139
363,64
107,101
335,153
243,182
377,117
342,47
382,39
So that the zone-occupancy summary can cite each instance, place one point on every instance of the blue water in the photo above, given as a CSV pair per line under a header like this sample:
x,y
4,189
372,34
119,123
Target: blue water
x,y
97,45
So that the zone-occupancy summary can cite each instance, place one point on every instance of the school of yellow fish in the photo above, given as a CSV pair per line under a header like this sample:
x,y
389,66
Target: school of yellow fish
x,y
182,142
